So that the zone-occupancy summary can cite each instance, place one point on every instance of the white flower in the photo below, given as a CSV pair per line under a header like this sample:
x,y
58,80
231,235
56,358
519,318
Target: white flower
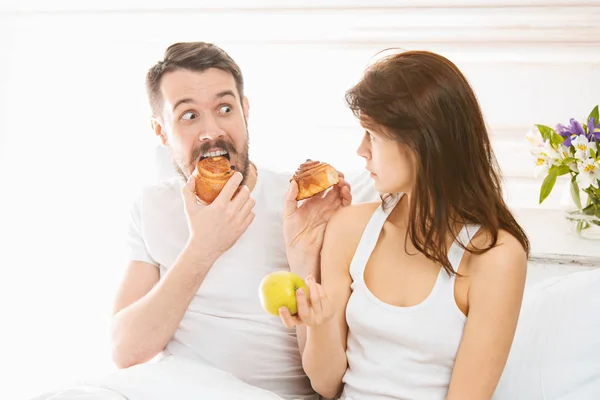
x,y
553,155
545,157
582,147
534,138
541,166
589,173
564,154
564,151
545,154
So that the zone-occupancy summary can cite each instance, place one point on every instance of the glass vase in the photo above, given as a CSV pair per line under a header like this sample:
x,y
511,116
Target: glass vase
x,y
586,226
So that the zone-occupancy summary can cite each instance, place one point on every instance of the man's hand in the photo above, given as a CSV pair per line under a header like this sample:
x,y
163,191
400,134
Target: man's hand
x,y
304,225
216,227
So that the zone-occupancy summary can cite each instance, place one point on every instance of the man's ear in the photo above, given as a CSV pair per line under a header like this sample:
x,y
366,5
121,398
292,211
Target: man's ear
x,y
158,130
246,107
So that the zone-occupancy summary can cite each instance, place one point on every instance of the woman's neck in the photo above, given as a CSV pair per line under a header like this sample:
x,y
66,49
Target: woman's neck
x,y
400,218
400,214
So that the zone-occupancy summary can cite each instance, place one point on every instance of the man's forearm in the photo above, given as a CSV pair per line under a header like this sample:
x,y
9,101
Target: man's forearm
x,y
143,329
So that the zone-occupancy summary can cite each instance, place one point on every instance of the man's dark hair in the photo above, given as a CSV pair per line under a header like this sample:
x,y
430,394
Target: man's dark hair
x,y
191,56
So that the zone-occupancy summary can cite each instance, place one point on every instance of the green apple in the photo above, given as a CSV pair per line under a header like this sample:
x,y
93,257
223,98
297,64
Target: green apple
x,y
278,289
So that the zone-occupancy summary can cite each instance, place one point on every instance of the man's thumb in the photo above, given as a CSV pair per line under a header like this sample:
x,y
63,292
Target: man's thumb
x,y
291,204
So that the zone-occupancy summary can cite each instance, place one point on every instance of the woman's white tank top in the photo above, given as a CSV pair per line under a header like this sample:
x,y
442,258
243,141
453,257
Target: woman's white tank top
x,y
401,352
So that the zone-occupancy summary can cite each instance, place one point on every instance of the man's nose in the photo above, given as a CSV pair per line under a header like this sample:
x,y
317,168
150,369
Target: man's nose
x,y
210,129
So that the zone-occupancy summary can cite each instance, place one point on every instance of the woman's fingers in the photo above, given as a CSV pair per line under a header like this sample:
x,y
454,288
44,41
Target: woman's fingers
x,y
304,309
288,319
313,307
315,300
325,305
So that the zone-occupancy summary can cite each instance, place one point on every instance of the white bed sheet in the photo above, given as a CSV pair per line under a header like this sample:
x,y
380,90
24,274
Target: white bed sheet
x,y
166,379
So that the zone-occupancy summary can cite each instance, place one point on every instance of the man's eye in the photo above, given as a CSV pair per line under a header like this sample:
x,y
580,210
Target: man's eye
x,y
224,110
188,116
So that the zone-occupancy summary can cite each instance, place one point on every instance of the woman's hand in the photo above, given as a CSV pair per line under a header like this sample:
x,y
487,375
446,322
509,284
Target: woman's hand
x,y
313,309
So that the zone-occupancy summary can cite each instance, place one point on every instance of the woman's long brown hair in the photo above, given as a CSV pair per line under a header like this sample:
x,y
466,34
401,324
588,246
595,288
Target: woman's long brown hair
x,y
422,100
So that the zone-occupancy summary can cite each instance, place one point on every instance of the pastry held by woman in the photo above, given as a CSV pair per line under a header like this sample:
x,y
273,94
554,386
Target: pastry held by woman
x,y
211,174
314,177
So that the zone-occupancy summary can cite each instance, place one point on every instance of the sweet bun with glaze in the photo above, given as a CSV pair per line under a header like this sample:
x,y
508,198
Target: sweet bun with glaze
x,y
314,177
211,174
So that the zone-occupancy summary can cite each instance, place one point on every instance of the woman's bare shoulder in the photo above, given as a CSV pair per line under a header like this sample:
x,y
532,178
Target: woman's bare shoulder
x,y
346,226
507,257
353,217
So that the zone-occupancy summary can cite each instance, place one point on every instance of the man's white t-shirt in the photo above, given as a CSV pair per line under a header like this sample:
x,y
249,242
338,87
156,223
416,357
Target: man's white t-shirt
x,y
225,324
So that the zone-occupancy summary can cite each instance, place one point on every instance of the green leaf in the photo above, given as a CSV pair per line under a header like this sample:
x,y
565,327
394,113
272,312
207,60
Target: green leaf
x,y
546,132
569,160
581,225
556,139
589,210
575,193
563,170
548,183
594,114
550,135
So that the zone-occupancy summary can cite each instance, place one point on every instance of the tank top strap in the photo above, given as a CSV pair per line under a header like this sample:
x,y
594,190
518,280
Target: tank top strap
x,y
368,240
456,252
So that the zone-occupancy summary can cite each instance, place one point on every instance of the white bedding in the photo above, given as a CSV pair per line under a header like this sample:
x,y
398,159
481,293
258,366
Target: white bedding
x,y
169,378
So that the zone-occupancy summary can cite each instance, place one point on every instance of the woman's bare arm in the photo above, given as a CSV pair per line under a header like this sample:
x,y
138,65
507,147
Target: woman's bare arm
x,y
495,297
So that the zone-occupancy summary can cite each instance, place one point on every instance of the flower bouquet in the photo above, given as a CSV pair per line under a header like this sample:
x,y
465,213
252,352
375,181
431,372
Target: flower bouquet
x,y
575,150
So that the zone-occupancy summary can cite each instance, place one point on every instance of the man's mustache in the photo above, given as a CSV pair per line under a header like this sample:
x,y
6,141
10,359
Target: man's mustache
x,y
205,146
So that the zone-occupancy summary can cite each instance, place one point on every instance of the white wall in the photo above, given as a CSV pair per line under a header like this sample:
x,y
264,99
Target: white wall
x,y
75,143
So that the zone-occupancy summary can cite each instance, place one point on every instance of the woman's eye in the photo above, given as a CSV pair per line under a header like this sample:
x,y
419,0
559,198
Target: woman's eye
x,y
224,110
189,116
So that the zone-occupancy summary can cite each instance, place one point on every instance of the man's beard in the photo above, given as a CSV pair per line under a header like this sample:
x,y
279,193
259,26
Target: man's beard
x,y
242,158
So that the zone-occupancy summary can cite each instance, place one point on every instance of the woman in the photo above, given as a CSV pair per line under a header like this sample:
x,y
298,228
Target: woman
x,y
420,293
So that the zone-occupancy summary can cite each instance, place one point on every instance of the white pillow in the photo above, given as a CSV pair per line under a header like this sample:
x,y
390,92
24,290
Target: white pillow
x,y
556,350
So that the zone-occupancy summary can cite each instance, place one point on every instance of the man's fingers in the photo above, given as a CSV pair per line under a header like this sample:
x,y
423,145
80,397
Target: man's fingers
x,y
290,204
343,191
245,215
333,194
229,189
247,207
242,194
346,195
247,221
188,192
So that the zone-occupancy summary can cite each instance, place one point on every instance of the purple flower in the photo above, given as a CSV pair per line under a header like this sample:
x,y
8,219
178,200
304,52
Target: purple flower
x,y
570,132
593,130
